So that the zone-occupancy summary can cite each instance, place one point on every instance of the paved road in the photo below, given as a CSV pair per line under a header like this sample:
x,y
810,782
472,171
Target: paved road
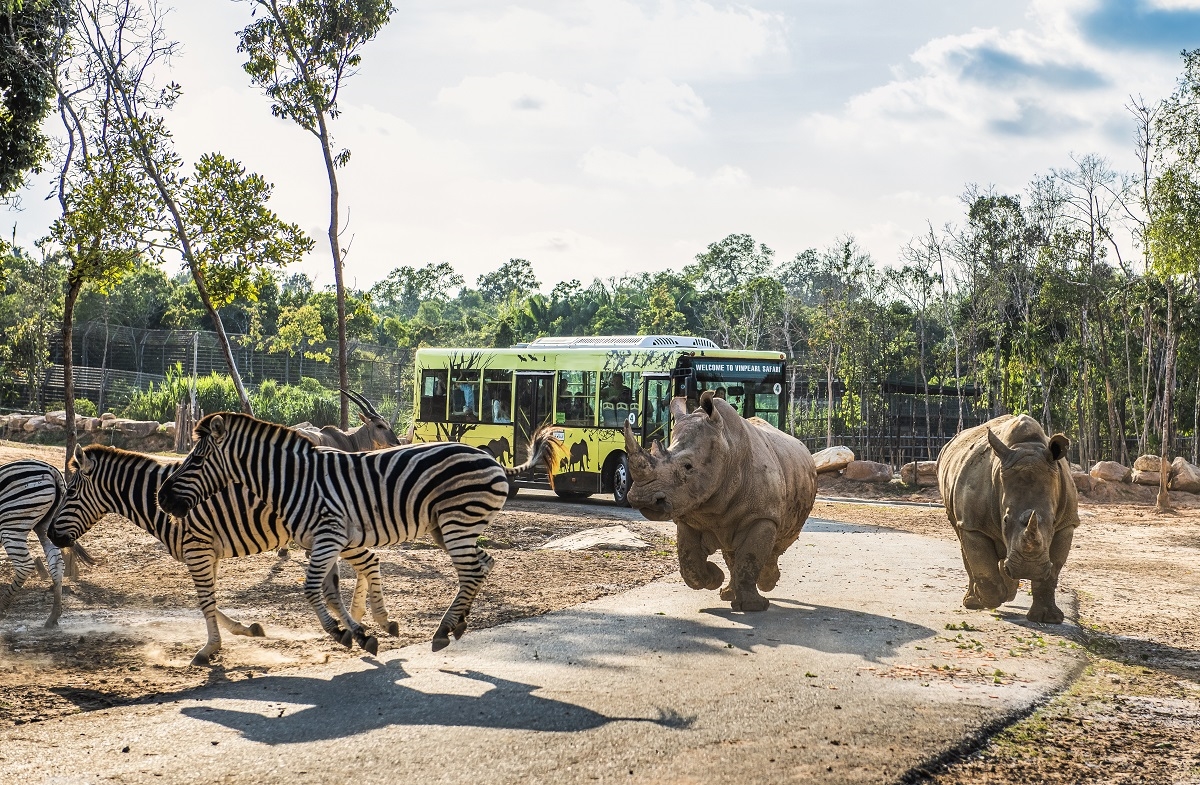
x,y
851,676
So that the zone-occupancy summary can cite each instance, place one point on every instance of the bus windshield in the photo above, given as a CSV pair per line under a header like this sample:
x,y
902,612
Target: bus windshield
x,y
753,388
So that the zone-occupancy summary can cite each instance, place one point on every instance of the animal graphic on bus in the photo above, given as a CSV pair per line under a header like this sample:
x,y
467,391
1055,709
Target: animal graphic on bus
x,y
579,456
500,448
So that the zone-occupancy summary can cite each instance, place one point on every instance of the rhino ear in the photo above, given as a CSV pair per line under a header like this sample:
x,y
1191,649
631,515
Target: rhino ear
x,y
1058,447
706,403
678,408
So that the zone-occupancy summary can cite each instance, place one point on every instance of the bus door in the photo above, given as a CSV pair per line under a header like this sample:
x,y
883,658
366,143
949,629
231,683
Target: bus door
x,y
535,408
656,411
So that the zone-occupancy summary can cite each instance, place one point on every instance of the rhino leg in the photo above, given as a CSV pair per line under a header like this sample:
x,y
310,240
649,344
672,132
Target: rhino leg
x,y
729,591
751,555
769,576
987,588
697,571
1043,608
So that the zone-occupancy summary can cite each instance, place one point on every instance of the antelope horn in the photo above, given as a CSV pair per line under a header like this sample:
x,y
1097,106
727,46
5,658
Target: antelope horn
x,y
362,403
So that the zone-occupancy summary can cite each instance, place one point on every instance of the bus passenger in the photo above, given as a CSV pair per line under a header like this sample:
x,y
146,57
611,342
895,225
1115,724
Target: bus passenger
x,y
616,391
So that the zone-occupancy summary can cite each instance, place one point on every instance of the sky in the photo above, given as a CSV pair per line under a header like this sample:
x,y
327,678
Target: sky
x,y
597,138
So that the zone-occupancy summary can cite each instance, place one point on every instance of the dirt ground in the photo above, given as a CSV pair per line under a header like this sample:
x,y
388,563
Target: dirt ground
x,y
131,626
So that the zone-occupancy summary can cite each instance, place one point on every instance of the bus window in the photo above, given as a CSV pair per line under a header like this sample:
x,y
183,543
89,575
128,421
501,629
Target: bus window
x,y
497,396
433,396
464,394
656,409
617,401
576,398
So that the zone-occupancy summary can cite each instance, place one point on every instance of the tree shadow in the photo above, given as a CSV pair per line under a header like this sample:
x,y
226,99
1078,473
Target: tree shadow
x,y
386,698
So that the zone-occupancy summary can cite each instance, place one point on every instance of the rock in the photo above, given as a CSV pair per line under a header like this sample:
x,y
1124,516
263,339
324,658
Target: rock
x,y
168,428
136,428
91,424
16,422
1111,471
1147,463
833,459
868,471
919,473
57,418
108,416
608,538
1146,478
1083,481
1184,476
34,423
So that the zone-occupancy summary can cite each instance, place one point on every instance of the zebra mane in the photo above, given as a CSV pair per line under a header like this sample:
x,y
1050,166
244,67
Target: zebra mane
x,y
94,451
238,421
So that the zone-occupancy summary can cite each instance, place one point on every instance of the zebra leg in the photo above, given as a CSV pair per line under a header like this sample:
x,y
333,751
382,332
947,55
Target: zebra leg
x,y
202,565
368,587
473,565
54,558
16,545
326,546
235,627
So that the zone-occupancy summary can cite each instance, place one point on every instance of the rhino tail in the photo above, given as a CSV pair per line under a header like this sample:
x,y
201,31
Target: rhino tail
x,y
543,450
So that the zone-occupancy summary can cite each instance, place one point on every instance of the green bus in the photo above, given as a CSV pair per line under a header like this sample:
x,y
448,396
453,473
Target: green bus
x,y
589,388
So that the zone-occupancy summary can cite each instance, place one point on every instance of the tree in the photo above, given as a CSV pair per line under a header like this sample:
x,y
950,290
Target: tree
x,y
29,34
299,53
401,293
513,280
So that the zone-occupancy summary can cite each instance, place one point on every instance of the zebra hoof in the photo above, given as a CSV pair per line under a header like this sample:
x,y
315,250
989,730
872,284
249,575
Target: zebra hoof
x,y
345,637
459,629
371,645
393,629
440,641
257,631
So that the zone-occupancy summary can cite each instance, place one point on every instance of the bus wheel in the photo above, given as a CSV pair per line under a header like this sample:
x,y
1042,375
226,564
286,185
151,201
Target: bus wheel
x,y
621,482
571,496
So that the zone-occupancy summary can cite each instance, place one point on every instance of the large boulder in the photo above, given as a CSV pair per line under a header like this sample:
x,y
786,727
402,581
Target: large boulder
x,y
57,418
1146,478
833,459
919,473
607,538
1083,481
868,471
34,423
1111,471
139,429
1184,476
16,422
1147,463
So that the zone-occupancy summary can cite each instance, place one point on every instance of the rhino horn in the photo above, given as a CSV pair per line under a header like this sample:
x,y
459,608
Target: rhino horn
x,y
640,462
1031,538
1002,450
657,451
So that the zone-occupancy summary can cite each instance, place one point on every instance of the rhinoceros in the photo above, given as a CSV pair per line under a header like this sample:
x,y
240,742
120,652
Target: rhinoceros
x,y
736,485
1010,497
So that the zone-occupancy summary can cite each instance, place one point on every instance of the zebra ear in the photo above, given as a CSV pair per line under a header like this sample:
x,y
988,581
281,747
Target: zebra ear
x,y
81,460
216,427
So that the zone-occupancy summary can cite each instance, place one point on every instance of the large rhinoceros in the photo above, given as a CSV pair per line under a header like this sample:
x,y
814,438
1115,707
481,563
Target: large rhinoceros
x,y
734,484
1010,497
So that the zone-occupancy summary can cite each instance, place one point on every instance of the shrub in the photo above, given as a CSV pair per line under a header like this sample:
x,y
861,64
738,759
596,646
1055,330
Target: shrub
x,y
214,393
85,407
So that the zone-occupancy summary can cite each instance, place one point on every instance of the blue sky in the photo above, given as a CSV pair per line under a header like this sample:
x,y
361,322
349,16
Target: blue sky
x,y
601,137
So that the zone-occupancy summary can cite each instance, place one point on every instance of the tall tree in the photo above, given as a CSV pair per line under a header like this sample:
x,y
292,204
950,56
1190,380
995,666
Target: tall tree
x,y
299,53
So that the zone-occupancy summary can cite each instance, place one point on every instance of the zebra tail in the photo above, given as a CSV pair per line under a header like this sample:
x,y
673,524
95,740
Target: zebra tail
x,y
543,450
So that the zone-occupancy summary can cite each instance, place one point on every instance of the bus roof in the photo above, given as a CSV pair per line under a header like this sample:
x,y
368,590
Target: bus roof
x,y
575,354
620,342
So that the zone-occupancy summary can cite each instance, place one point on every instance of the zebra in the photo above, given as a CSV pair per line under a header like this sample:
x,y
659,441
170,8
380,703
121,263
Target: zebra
x,y
333,500
234,522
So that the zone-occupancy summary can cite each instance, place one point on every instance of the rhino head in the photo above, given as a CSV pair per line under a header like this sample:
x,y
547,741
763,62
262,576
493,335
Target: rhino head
x,y
670,482
1029,490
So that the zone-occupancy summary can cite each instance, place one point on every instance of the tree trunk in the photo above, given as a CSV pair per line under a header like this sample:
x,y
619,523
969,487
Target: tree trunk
x,y
1163,503
223,339
829,400
68,329
336,250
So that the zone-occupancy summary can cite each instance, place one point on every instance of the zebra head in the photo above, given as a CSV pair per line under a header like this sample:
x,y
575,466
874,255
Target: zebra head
x,y
80,508
203,472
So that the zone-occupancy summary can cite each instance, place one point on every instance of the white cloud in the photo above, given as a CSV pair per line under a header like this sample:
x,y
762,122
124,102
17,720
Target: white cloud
x,y
648,167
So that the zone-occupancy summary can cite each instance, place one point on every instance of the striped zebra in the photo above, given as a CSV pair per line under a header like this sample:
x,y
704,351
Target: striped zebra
x,y
332,501
232,523
30,491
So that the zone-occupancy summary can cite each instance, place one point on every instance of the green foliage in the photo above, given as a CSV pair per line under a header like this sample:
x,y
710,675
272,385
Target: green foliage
x,y
85,407
514,280
214,393
29,32
291,404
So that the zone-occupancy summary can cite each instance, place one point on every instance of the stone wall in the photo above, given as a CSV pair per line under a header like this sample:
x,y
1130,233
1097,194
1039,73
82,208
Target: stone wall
x,y
50,428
